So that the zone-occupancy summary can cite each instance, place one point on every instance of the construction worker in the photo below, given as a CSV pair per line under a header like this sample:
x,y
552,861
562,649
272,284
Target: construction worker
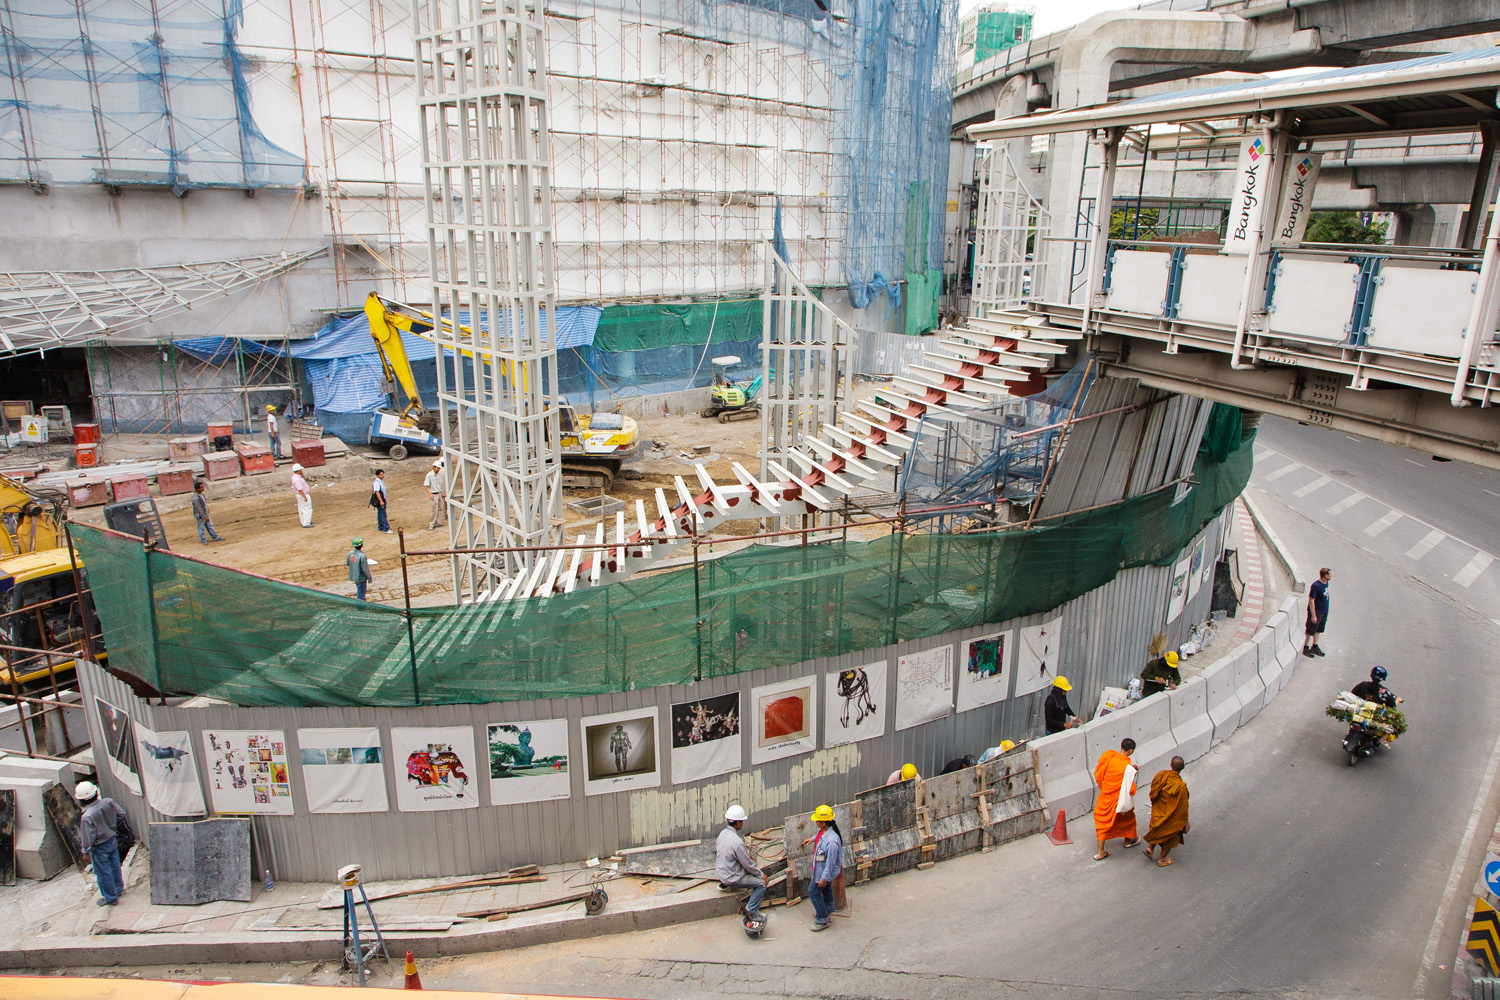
x,y
1057,714
378,501
273,430
827,865
434,483
359,568
303,493
97,830
905,772
733,865
202,516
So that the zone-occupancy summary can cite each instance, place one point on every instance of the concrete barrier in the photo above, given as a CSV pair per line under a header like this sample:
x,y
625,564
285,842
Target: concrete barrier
x,y
1267,665
1065,774
1223,704
18,766
1151,728
40,853
1248,687
1192,728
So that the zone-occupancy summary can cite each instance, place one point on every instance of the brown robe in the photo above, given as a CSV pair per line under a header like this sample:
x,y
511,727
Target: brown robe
x,y
1169,810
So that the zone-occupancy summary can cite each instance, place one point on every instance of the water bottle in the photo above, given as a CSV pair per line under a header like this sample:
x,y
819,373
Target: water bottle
x,y
270,882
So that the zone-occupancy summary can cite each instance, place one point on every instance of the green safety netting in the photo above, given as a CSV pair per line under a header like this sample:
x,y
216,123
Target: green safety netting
x,y
186,627
682,324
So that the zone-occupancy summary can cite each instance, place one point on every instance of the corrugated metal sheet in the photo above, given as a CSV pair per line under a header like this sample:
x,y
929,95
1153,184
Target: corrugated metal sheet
x,y
1104,637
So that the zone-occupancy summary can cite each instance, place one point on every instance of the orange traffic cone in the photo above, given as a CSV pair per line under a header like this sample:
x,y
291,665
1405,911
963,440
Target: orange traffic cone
x,y
413,981
1058,834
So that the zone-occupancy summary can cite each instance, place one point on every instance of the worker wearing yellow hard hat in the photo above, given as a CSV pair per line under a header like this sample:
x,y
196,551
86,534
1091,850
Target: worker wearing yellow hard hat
x,y
1057,714
905,772
827,865
1160,674
273,431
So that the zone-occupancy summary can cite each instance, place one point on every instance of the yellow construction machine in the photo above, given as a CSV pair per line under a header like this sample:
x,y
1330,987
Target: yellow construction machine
x,y
39,606
592,444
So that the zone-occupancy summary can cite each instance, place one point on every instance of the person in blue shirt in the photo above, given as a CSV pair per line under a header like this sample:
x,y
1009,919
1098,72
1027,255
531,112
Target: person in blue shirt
x,y
827,865
1317,612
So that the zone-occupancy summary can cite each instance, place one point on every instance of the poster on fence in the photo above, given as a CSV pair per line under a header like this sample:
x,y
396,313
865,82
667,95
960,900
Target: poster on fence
x,y
1177,595
924,686
119,748
705,737
784,717
434,768
855,700
247,771
528,761
621,751
1037,656
169,773
1195,569
343,770
984,670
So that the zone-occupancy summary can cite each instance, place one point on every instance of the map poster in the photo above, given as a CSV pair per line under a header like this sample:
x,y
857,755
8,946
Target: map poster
x,y
1037,663
434,768
705,737
528,761
247,771
343,770
856,701
169,773
621,751
984,670
924,686
119,747
784,718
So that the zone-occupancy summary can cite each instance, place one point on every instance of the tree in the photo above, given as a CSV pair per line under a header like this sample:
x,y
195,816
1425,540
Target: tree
x,y
1123,224
1343,227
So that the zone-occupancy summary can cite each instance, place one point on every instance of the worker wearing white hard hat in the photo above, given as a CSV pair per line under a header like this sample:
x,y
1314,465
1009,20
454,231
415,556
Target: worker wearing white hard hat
x,y
436,490
303,493
733,865
97,835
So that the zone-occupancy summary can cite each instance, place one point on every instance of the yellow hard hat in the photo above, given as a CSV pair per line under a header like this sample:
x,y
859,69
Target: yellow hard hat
x,y
823,814
1171,657
1062,682
908,772
270,408
1007,745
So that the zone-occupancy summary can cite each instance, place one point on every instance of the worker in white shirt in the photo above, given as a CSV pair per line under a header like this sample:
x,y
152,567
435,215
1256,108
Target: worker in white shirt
x,y
303,493
378,501
273,431
434,483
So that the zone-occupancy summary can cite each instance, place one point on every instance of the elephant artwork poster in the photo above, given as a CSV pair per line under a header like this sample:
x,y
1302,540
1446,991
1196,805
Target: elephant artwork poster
x,y
621,751
705,737
528,761
855,700
434,768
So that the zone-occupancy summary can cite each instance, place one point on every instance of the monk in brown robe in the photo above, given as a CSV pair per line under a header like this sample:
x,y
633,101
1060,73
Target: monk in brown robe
x,y
1169,812
1114,808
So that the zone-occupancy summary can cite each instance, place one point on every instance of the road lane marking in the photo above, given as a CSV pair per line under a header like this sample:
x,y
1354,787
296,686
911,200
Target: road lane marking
x,y
1414,462
1284,470
1312,487
1492,493
1346,503
1391,517
1473,568
1427,544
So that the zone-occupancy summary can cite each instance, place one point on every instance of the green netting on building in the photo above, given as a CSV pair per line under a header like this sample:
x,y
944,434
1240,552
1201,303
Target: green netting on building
x,y
185,627
650,326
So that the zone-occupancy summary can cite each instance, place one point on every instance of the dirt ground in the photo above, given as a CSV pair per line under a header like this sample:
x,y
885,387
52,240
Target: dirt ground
x,y
257,515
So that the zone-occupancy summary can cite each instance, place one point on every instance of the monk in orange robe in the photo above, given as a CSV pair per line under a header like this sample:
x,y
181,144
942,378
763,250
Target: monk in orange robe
x,y
1169,812
1114,808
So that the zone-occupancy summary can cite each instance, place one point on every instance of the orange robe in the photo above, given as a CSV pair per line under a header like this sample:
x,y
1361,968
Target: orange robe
x,y
1169,810
1109,775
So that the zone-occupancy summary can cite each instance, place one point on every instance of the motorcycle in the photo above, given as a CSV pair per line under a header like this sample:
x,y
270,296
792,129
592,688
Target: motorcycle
x,y
1373,725
1363,739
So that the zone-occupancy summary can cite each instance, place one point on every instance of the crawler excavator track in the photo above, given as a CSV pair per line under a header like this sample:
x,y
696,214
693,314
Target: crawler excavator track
x,y
582,474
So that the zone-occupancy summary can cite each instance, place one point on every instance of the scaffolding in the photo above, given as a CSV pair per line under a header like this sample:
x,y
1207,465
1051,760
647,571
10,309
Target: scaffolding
x,y
482,93
1011,221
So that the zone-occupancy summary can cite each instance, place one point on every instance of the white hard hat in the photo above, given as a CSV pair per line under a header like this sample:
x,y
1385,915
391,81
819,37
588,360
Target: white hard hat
x,y
437,463
735,814
86,791
296,467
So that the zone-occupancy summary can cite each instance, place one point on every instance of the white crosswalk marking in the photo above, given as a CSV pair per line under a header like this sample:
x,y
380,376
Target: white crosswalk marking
x,y
1312,487
1284,470
1427,544
1473,568
1346,503
1390,518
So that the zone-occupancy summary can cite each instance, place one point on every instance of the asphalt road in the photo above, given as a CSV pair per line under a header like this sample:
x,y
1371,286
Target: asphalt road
x,y
1302,877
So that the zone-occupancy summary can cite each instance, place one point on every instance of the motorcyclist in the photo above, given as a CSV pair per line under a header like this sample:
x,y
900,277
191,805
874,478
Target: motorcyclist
x,y
1374,689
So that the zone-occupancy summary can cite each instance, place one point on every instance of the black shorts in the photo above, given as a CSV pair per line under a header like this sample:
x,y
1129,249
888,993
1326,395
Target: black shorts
x,y
1313,628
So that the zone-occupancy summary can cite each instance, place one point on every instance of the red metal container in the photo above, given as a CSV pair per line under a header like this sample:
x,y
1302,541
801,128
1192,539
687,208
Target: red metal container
x,y
174,480
130,486
255,459
87,491
85,433
218,431
221,465
308,453
85,456
185,449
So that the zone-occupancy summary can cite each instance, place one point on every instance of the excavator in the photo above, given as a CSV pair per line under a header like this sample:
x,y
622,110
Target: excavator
x,y
38,592
593,445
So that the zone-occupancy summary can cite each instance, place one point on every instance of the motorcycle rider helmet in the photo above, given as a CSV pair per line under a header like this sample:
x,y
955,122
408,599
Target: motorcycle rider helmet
x,y
1379,674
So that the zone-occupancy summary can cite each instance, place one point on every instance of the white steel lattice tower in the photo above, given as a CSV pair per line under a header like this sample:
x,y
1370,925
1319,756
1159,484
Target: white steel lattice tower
x,y
482,97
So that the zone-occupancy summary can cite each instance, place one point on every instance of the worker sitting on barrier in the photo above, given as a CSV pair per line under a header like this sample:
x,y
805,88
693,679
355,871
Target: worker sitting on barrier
x,y
1161,674
732,862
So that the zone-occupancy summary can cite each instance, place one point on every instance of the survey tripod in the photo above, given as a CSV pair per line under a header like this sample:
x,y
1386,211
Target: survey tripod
x,y
356,953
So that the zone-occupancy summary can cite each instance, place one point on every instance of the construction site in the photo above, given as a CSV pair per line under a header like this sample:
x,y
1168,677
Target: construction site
x,y
516,435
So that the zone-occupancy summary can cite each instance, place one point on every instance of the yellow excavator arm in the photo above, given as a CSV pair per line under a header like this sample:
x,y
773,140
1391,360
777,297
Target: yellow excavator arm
x,y
387,320
27,524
